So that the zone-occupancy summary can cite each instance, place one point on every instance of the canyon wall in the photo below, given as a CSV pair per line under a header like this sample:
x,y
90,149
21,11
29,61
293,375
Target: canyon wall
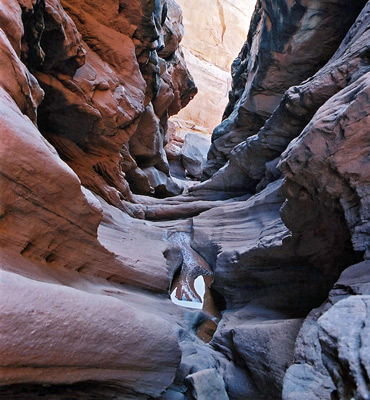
x,y
96,236
85,97
302,156
214,33
277,55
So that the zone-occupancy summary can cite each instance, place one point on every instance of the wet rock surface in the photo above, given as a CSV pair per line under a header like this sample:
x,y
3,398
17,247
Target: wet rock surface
x,y
93,249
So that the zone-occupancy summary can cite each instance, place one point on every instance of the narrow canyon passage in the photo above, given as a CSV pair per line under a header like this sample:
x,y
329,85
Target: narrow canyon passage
x,y
172,231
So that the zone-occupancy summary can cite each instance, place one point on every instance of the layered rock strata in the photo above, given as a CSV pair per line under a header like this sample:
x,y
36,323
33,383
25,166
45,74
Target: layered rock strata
x,y
85,287
122,74
214,33
287,43
314,137
88,91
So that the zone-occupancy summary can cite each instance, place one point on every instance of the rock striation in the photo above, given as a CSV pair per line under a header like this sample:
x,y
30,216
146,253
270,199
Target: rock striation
x,y
280,230
287,43
311,140
330,351
124,76
214,32
72,97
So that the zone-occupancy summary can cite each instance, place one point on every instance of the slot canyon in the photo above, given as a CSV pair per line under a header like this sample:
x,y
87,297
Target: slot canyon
x,y
185,200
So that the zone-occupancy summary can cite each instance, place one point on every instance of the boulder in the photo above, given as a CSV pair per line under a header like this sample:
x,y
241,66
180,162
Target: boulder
x,y
248,336
162,184
194,153
207,384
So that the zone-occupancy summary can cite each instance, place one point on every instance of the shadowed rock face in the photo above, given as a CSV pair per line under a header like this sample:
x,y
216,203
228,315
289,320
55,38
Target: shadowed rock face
x,y
287,43
110,74
330,358
283,227
314,137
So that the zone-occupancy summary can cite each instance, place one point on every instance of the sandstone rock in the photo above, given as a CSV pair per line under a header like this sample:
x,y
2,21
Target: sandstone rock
x,y
353,280
60,41
282,49
105,99
335,136
267,362
55,230
172,395
184,87
245,170
20,84
171,18
315,372
265,251
239,384
173,152
11,22
345,341
249,336
194,154
216,30
147,141
108,79
89,338
313,375
92,282
205,111
214,33
339,367
162,184
207,384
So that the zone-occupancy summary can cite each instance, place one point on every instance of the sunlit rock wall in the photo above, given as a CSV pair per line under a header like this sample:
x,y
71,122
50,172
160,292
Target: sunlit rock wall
x,y
214,33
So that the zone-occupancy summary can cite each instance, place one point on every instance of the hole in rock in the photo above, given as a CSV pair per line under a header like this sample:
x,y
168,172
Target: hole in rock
x,y
191,286
190,295
196,294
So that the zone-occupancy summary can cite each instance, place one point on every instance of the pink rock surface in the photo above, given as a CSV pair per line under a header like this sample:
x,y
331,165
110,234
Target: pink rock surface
x,y
65,336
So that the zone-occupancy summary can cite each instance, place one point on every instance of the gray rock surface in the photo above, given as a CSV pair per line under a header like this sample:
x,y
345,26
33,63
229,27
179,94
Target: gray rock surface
x,y
334,136
207,384
249,336
327,352
256,344
345,341
296,109
265,251
162,184
194,153
287,43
